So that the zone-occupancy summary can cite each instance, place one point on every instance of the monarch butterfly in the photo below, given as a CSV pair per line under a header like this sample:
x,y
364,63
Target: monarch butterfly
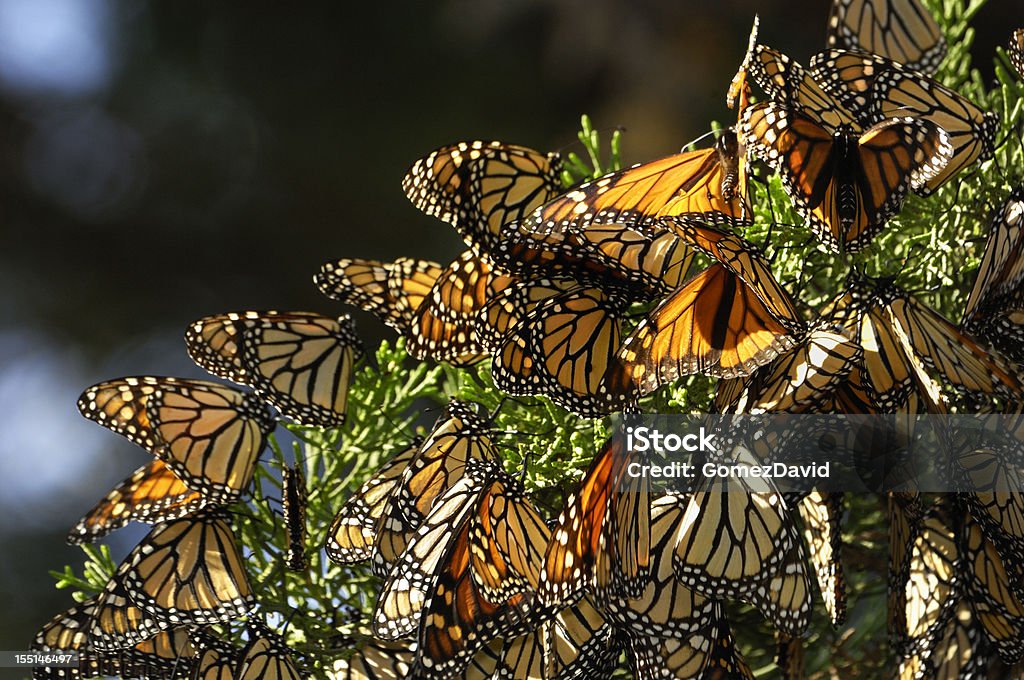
x,y
955,653
478,187
208,435
846,182
788,83
726,321
151,494
166,655
711,653
738,539
877,89
469,574
900,30
997,608
377,660
438,323
266,657
485,189
565,348
574,643
187,571
215,660
391,291
355,528
797,378
601,540
414,575
849,397
293,506
901,337
707,183
487,580
458,437
118,623
821,513
655,260
298,361
665,607
1001,272
991,482
995,308
926,595
904,512
1016,49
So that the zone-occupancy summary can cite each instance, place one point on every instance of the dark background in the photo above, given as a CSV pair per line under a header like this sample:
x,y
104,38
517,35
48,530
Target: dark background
x,y
164,161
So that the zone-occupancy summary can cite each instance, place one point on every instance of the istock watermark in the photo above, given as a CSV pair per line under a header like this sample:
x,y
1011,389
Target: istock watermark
x,y
801,453
643,439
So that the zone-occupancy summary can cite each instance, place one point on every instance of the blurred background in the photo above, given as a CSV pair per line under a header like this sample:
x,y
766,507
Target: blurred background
x,y
164,161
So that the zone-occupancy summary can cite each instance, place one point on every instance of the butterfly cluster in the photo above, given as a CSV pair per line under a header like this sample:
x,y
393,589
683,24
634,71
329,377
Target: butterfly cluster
x,y
593,296
206,438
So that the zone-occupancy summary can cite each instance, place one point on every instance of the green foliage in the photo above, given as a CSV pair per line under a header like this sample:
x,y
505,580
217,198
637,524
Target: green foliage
x,y
578,170
933,246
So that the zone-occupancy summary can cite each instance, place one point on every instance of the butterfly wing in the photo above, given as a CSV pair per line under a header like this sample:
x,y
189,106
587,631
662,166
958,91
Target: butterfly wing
x,y
445,327
1016,51
988,589
821,513
686,183
709,653
565,348
575,643
353,532
880,89
715,325
486,584
900,30
377,660
300,362
788,84
738,539
478,187
1001,273
118,623
209,435
939,345
267,658
188,571
925,596
991,479
414,575
798,378
216,659
664,607
151,494
601,540
846,186
391,291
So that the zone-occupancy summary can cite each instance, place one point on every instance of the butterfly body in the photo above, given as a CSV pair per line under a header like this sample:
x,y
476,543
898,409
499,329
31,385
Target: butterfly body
x,y
847,183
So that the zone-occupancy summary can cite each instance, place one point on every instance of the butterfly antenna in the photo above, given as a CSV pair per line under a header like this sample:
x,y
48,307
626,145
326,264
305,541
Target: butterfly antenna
x,y
497,409
544,433
399,427
701,138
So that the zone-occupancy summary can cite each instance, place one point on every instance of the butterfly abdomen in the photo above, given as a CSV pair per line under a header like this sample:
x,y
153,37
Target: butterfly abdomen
x,y
847,168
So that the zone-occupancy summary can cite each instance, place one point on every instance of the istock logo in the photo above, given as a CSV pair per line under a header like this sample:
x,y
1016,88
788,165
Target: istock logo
x,y
643,439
